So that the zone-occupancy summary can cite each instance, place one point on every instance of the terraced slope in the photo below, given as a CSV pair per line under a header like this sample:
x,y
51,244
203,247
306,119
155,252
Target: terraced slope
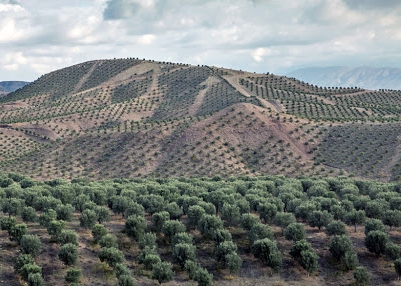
x,y
131,117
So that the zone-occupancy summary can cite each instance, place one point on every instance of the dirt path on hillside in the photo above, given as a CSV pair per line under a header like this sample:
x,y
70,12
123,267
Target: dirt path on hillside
x,y
85,78
233,80
272,104
193,109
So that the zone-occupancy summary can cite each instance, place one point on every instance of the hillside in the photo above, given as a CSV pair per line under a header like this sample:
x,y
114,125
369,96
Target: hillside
x,y
130,117
365,77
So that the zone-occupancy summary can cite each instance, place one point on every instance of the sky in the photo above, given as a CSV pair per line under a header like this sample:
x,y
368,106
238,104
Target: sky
x,y
277,36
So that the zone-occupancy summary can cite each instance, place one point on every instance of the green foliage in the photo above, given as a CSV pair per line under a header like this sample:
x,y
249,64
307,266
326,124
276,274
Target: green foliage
x,y
7,223
230,213
181,237
159,218
46,217
309,260
135,226
349,260
171,228
67,236
68,254
248,220
354,217
73,275
30,244
183,252
319,219
108,240
336,228
339,245
221,235
55,227
28,269
294,231
121,269
208,224
98,231
374,224
88,219
224,248
111,256
298,247
150,260
17,232
361,276
23,259
162,272
28,214
259,231
126,280
35,279
174,210
392,251
233,262
267,251
148,239
397,267
267,211
64,212
376,241
203,277
194,213
283,220
392,218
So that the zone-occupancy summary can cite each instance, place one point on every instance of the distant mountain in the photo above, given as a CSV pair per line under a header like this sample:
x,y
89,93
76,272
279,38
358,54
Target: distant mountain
x,y
365,77
10,86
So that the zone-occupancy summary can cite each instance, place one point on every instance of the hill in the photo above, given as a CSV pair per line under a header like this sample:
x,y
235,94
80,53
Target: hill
x,y
365,77
10,86
131,117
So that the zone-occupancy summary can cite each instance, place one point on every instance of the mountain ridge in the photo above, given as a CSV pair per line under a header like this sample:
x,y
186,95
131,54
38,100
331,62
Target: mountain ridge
x,y
373,78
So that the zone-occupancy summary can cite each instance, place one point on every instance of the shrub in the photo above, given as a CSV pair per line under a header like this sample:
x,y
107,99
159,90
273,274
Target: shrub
x,y
111,256
73,275
182,237
349,260
336,228
126,280
64,212
148,239
319,219
28,214
30,244
68,254
376,241
21,260
361,276
392,251
35,279
267,251
221,235
224,248
208,224
17,232
98,231
121,269
203,277
230,213
162,272
248,221
308,260
294,231
171,228
135,226
67,236
150,260
260,231
158,219
339,245
183,252
55,227
233,262
374,224
46,217
109,240
29,268
88,219
194,214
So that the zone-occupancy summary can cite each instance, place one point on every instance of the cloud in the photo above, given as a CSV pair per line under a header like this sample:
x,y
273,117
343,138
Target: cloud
x,y
255,35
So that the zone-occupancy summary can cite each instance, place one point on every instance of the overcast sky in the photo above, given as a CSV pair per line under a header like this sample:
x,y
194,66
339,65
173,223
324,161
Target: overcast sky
x,y
38,36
